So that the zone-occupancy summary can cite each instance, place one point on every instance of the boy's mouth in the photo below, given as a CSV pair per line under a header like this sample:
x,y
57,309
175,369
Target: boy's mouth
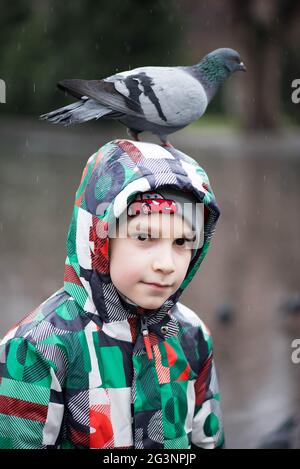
x,y
157,285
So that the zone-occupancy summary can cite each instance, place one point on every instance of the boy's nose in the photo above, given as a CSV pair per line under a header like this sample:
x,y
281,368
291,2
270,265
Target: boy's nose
x,y
164,261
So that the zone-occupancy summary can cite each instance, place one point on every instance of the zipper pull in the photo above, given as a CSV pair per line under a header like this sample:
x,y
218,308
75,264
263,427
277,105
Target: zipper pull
x,y
145,333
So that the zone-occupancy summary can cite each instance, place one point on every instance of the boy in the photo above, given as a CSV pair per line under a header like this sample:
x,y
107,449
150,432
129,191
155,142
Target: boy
x,y
113,360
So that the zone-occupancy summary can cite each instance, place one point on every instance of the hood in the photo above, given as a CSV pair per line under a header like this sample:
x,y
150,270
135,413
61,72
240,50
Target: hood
x,y
111,179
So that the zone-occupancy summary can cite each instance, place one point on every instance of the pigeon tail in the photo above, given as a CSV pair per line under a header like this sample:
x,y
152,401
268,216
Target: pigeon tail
x,y
76,113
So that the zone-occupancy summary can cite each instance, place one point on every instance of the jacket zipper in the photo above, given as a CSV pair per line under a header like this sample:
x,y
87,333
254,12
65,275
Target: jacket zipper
x,y
145,333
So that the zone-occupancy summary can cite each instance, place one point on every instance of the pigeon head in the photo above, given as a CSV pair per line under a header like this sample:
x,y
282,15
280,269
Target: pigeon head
x,y
216,67
227,58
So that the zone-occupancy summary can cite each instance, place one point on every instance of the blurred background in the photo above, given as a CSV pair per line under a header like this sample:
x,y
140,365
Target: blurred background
x,y
247,290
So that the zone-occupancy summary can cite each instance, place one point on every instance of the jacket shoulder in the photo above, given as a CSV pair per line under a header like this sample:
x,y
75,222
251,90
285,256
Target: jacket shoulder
x,y
195,336
187,317
50,316
50,336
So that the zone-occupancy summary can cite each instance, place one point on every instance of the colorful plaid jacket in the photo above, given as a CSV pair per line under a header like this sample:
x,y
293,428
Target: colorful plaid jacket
x,y
75,373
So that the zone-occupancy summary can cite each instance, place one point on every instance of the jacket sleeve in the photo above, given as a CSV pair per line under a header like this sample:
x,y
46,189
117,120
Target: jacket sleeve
x,y
31,404
207,429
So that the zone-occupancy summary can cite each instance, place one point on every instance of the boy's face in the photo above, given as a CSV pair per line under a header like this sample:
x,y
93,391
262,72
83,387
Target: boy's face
x,y
149,257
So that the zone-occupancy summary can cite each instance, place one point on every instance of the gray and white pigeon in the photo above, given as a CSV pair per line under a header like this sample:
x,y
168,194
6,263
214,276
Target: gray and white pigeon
x,y
161,100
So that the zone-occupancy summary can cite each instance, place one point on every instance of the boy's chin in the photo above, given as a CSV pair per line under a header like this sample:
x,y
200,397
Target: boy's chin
x,y
150,304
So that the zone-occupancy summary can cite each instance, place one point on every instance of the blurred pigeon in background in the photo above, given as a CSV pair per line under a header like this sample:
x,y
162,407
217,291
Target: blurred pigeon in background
x,y
225,314
286,436
161,100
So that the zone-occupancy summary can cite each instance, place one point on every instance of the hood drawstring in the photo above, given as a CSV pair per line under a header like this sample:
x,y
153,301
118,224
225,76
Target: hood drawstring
x,y
145,333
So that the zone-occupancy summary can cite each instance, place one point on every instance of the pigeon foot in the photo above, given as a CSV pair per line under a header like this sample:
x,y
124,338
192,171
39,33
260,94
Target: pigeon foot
x,y
133,134
167,144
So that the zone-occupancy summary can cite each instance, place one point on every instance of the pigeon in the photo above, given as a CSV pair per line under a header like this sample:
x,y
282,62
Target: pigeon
x,y
161,100
286,436
225,314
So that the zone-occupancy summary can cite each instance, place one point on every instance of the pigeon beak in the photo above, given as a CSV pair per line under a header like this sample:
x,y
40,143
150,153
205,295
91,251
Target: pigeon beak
x,y
242,67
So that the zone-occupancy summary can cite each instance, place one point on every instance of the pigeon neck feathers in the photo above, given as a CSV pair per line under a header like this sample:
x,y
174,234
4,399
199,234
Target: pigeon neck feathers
x,y
212,73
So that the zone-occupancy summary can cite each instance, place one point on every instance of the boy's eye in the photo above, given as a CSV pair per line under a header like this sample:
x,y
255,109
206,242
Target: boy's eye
x,y
180,241
142,236
184,241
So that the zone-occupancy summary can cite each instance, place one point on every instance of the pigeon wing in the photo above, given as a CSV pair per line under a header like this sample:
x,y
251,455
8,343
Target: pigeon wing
x,y
168,96
103,92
